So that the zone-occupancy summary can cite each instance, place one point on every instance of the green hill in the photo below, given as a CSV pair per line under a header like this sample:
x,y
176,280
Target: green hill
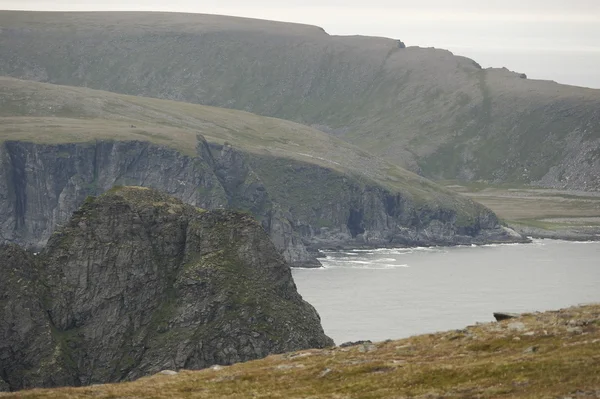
x,y
427,109
308,189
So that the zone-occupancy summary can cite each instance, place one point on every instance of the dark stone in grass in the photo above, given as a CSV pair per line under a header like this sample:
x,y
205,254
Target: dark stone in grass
x,y
347,344
499,316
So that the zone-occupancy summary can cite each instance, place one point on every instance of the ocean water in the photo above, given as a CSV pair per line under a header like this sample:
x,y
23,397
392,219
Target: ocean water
x,y
395,293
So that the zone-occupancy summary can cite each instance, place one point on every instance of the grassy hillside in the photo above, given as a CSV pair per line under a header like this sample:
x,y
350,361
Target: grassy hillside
x,y
541,355
422,108
44,113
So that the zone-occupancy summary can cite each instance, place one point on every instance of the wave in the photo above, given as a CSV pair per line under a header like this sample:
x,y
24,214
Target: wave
x,y
366,266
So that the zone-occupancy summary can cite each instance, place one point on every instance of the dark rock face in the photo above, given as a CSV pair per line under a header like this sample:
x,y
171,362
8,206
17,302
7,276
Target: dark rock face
x,y
41,185
139,282
27,342
300,205
331,210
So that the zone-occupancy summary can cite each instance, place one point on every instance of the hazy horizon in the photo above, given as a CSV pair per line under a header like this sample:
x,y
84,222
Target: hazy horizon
x,y
544,39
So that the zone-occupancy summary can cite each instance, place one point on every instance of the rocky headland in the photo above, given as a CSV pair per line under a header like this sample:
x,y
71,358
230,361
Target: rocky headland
x,y
137,282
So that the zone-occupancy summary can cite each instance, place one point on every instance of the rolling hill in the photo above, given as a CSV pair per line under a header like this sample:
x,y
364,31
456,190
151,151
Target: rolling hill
x,y
438,114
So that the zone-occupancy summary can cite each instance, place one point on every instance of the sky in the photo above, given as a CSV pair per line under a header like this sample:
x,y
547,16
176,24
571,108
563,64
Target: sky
x,y
546,39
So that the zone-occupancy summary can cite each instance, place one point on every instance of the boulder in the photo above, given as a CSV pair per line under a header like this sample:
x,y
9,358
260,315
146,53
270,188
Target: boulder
x,y
499,316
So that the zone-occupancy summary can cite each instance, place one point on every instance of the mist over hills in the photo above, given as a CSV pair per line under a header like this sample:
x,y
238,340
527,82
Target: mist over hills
x,y
438,114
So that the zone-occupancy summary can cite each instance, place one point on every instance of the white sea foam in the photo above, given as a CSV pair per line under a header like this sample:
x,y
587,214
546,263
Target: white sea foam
x,y
384,260
364,266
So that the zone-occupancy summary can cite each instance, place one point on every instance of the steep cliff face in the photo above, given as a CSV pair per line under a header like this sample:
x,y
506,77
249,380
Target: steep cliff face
x,y
30,351
43,184
353,213
298,204
138,281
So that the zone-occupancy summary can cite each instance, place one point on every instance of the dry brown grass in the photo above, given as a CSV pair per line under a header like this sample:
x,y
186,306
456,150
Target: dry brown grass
x,y
552,354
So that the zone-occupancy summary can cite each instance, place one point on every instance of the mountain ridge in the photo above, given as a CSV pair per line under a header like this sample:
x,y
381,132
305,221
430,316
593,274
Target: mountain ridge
x,y
438,114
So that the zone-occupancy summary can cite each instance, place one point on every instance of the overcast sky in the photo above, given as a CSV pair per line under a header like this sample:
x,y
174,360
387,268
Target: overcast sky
x,y
546,39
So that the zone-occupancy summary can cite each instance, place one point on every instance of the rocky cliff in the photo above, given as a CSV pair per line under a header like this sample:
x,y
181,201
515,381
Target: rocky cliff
x,y
137,281
301,205
43,184
59,144
439,114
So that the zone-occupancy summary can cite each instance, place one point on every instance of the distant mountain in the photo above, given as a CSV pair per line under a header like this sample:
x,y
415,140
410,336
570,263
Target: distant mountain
x,y
137,282
309,190
436,113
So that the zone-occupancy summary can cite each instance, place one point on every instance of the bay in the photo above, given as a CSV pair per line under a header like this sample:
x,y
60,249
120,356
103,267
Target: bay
x,y
395,293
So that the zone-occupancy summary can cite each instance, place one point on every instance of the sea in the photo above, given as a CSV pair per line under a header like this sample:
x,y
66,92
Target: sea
x,y
384,294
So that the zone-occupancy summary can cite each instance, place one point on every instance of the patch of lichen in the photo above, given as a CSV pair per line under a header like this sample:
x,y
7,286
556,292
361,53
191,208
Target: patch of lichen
x,y
67,343
140,197
251,305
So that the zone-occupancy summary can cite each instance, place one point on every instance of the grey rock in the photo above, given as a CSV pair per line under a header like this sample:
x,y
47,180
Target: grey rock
x,y
516,326
138,282
575,330
168,372
367,347
354,343
531,349
325,372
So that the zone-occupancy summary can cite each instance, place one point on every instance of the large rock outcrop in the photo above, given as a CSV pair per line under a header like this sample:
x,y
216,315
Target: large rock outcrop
x,y
138,281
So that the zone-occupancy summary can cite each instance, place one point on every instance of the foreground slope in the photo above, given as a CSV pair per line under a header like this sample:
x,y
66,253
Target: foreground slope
x,y
541,355
426,109
308,189
137,282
